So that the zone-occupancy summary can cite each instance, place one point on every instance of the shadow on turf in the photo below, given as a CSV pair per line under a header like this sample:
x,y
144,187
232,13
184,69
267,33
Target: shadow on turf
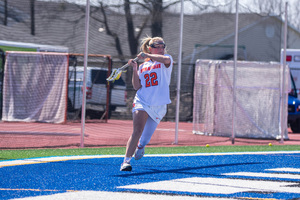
x,y
182,170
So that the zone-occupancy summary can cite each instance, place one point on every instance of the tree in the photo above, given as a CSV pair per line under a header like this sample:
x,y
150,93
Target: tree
x,y
150,9
32,2
156,8
5,13
110,32
275,7
156,17
132,38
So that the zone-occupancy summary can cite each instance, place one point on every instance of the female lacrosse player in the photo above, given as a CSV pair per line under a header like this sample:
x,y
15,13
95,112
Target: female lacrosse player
x,y
151,80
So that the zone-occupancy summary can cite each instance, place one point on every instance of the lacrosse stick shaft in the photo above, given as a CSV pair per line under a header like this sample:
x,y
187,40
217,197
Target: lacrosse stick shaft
x,y
126,65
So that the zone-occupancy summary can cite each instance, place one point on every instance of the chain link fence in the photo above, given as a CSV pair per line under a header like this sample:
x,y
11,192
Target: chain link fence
x,y
207,34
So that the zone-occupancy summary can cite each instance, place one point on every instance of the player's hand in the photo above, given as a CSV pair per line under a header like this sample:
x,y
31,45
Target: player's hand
x,y
142,55
132,63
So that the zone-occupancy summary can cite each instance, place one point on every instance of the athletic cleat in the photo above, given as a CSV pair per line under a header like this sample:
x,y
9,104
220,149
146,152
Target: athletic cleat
x,y
139,153
125,167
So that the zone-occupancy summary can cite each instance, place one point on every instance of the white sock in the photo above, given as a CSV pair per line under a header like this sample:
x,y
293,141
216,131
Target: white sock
x,y
127,159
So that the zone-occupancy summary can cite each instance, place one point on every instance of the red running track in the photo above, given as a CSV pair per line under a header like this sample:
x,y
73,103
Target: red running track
x,y
21,135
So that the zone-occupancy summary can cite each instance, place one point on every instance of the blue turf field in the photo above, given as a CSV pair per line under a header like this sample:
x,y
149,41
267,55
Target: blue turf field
x,y
248,175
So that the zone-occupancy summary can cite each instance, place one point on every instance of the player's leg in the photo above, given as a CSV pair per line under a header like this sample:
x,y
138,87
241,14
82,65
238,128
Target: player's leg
x,y
139,120
148,131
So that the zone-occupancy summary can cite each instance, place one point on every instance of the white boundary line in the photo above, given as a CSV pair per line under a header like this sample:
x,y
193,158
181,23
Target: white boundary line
x,y
29,161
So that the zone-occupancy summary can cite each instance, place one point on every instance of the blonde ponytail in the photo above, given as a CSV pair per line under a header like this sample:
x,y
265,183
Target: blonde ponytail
x,y
145,44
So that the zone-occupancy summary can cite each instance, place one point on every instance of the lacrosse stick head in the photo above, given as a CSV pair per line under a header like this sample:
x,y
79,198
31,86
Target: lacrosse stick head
x,y
115,75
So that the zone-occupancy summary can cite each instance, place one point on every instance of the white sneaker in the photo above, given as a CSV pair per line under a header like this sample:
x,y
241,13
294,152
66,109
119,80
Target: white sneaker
x,y
125,167
139,153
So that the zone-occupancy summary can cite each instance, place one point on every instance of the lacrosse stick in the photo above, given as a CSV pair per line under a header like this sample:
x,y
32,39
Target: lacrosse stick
x,y
116,73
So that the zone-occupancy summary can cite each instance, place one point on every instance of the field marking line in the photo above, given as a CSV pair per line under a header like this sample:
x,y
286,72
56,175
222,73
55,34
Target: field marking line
x,y
28,161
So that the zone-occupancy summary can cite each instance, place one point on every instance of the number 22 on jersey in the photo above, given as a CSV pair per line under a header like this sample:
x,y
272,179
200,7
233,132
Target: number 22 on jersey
x,y
151,79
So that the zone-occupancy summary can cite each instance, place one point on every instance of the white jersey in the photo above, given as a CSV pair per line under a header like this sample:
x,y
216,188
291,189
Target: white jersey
x,y
155,78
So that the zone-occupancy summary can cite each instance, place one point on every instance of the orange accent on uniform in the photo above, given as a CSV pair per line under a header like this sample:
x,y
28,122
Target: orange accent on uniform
x,y
150,68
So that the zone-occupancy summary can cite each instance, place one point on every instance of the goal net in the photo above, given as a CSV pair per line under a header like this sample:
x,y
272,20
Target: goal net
x,y
35,87
261,99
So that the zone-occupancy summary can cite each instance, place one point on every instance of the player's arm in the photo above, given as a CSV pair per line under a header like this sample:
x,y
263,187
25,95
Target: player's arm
x,y
156,57
135,77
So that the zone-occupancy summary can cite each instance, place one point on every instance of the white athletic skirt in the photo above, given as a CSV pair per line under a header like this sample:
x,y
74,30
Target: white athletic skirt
x,y
155,112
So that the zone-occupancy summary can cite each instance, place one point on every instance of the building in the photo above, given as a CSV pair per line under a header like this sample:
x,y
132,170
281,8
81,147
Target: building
x,y
208,35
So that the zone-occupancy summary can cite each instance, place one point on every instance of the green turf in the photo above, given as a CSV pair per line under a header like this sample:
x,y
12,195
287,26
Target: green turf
x,y
8,48
35,153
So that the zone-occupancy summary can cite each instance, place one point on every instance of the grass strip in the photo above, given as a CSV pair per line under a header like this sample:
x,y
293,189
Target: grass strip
x,y
36,153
